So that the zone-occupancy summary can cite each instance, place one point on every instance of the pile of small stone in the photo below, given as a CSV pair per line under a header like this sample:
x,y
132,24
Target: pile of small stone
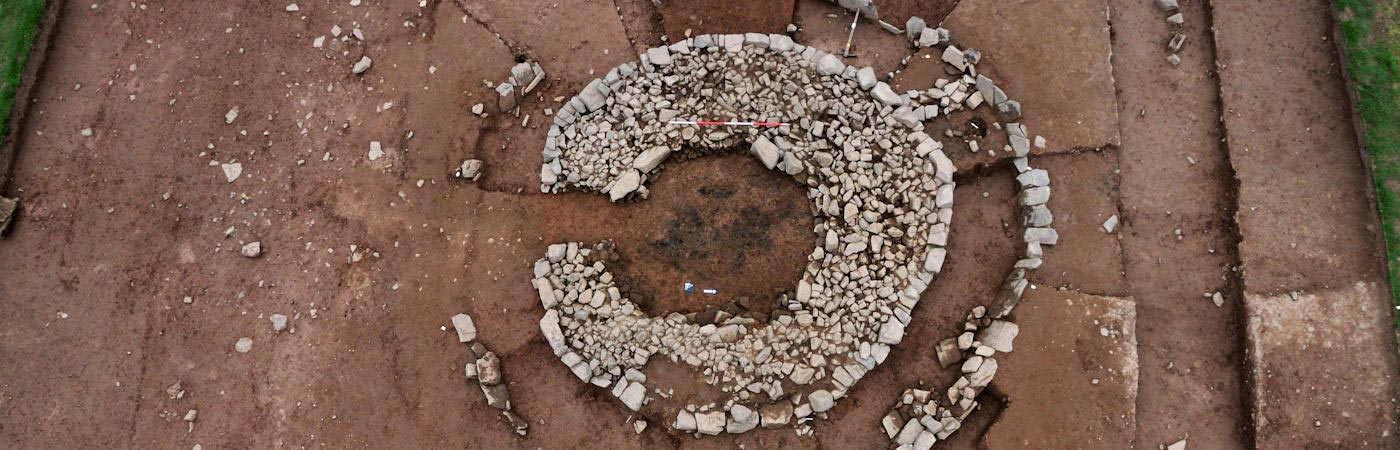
x,y
485,370
920,418
1176,22
524,78
882,193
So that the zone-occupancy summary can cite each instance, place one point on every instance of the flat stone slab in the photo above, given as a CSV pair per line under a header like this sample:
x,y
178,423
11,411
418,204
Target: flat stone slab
x,y
1303,209
1072,380
1323,368
1063,78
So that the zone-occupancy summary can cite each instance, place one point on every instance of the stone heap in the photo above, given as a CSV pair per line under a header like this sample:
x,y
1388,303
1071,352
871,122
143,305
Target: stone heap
x,y
881,190
485,370
524,78
919,419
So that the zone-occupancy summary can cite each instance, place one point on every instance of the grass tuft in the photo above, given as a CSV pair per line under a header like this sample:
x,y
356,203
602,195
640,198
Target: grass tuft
x,y
1371,29
19,20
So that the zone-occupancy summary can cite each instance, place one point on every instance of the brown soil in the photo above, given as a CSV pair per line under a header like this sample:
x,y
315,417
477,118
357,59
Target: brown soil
x,y
371,258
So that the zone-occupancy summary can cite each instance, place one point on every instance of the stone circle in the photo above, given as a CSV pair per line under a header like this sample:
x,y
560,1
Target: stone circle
x,y
881,191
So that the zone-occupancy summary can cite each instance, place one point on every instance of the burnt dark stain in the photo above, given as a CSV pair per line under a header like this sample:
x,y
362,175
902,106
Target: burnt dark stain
x,y
691,236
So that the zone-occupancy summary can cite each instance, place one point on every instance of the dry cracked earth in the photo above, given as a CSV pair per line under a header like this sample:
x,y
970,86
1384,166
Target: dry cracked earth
x,y
1235,172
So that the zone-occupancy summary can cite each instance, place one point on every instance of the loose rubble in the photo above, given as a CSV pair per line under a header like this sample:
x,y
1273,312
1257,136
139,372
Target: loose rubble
x,y
524,78
485,369
882,192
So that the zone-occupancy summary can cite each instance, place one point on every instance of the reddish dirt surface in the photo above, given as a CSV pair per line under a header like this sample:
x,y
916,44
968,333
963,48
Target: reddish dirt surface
x,y
371,258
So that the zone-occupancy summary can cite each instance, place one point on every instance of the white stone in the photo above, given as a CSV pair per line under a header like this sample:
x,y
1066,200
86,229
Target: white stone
x,y
244,345
279,322
821,400
232,171
466,329
362,65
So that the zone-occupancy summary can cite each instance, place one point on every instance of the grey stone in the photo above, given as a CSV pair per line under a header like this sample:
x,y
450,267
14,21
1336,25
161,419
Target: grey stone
x,y
651,158
776,415
362,65
1033,178
489,368
1168,5
685,421
592,95
866,77
766,151
466,330
884,94
633,395
251,249
711,423
1110,224
914,27
1045,236
660,56
469,170
909,432
948,352
279,322
999,335
625,184
830,65
1009,110
497,396
741,419
507,100
955,57
821,400
244,345
1035,196
891,332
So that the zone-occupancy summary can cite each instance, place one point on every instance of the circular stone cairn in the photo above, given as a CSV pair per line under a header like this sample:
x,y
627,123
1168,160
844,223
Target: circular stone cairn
x,y
881,192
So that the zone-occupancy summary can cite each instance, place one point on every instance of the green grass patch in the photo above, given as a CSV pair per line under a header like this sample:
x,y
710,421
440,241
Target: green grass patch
x,y
19,22
1371,29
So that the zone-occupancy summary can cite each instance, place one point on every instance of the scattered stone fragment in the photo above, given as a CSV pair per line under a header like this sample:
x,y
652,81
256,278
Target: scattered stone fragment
x,y
279,322
1173,59
1176,19
231,115
251,249
362,65
1181,444
1110,224
470,170
232,171
1168,5
376,151
293,8
244,345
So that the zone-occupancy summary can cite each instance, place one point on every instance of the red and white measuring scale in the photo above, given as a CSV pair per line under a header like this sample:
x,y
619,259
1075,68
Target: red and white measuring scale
x,y
729,124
